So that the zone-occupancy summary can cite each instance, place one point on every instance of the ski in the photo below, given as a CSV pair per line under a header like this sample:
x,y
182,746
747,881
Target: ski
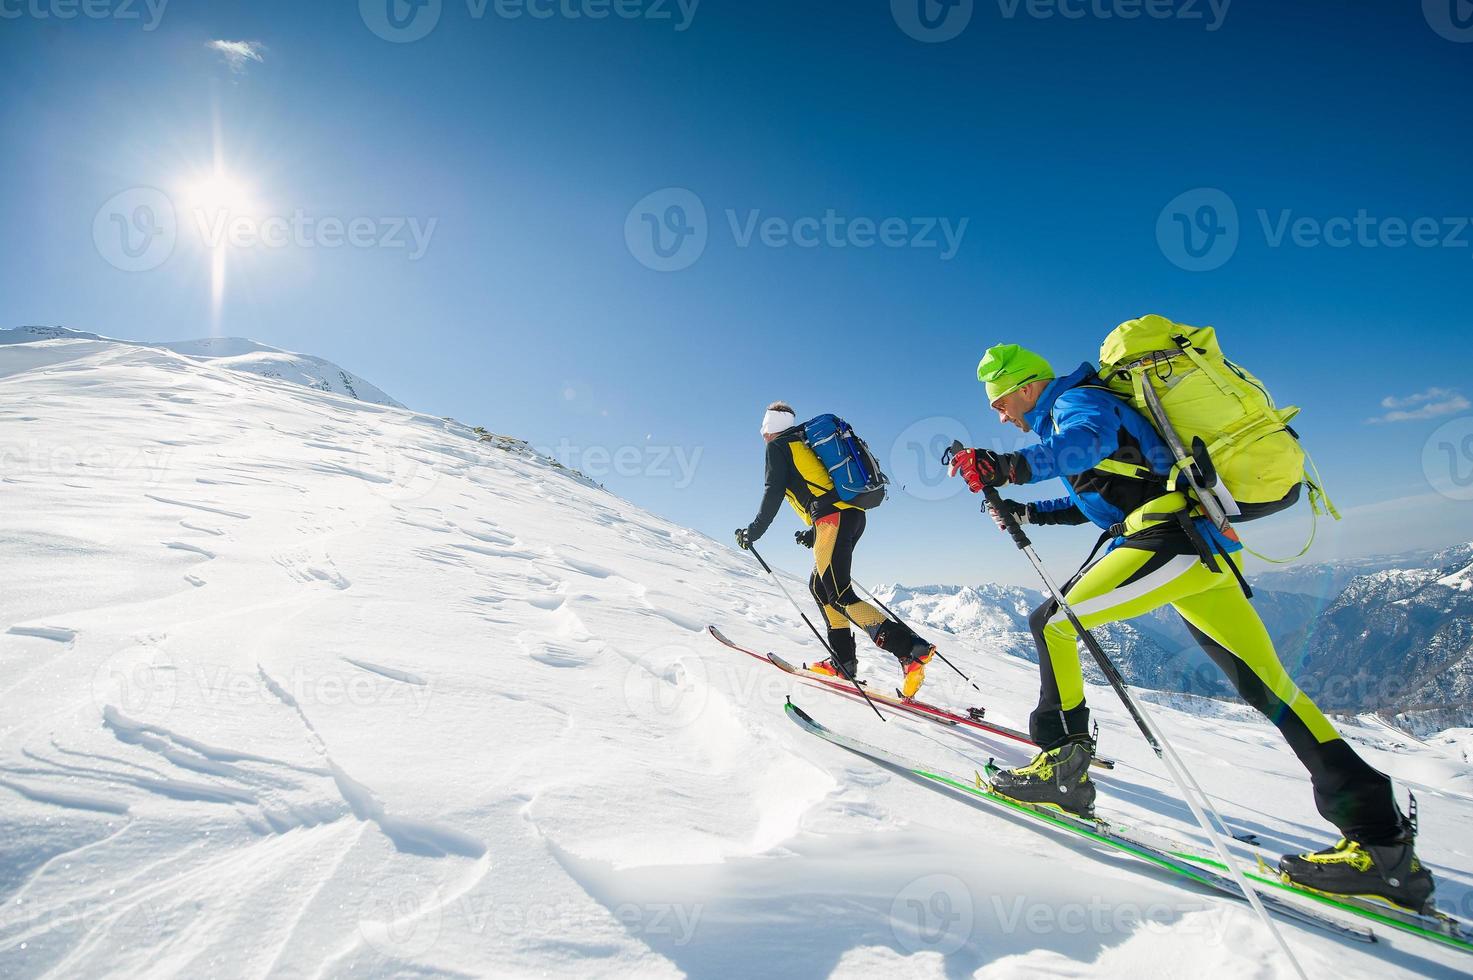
x,y
1099,831
1437,926
973,720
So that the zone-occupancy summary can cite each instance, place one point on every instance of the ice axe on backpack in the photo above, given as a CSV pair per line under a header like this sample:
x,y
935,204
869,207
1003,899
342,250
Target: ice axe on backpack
x,y
1196,466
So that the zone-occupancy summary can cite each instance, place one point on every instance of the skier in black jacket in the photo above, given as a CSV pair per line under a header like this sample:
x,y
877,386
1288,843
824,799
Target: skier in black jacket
x,y
794,473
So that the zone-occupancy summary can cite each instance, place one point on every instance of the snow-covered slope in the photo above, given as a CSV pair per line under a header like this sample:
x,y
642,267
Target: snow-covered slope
x,y
299,685
238,354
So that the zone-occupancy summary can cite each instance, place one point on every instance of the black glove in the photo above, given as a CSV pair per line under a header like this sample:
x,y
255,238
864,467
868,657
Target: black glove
x,y
1016,508
743,539
805,537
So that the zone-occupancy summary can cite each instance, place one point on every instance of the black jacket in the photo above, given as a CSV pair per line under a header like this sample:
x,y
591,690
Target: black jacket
x,y
784,480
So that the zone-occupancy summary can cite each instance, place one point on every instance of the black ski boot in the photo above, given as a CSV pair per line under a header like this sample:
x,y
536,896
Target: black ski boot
x,y
842,643
1058,778
1391,872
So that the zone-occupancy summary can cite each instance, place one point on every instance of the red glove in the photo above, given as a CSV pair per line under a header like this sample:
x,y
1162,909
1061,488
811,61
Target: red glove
x,y
982,468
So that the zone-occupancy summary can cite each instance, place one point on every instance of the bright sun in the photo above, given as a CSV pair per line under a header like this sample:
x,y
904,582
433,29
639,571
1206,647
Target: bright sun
x,y
216,192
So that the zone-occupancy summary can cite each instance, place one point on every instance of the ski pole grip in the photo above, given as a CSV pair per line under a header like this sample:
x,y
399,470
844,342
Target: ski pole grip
x,y
994,500
1015,530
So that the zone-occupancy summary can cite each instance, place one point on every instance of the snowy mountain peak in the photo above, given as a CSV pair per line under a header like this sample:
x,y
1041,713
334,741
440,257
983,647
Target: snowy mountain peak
x,y
236,354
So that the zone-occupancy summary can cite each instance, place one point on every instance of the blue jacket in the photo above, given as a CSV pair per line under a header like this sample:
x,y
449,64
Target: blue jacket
x,y
1079,424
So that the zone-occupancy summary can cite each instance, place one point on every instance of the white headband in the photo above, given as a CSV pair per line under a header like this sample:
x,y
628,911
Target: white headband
x,y
775,421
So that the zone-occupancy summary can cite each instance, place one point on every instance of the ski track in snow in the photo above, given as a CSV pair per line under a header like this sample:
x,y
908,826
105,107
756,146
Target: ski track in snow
x,y
336,689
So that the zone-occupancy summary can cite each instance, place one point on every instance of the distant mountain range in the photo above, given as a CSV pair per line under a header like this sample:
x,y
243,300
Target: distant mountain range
x,y
1391,634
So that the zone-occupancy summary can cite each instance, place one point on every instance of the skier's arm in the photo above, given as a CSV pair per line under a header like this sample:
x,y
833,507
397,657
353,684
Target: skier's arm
x,y
1084,435
779,461
1060,511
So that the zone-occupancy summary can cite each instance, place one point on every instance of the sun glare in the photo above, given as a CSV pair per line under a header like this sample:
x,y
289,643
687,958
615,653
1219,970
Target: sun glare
x,y
213,203
216,192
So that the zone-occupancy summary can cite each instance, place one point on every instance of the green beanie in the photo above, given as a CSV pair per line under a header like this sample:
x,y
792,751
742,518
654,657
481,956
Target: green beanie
x,y
1007,367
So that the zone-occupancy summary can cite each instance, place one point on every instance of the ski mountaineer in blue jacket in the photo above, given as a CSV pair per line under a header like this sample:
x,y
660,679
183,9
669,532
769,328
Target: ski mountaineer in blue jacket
x,y
1113,461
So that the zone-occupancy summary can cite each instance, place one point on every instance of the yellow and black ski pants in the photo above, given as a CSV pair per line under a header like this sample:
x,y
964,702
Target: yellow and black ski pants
x,y
1132,581
833,555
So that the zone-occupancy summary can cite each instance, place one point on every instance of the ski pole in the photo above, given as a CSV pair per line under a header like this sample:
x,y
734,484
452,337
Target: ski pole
x,y
833,657
1163,749
895,617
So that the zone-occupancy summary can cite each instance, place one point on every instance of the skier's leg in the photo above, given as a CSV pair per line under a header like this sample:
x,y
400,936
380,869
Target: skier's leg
x,y
888,634
1126,582
833,549
1376,855
841,640
1347,791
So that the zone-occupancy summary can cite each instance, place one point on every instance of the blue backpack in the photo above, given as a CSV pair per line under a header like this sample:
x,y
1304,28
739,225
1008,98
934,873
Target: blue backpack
x,y
858,479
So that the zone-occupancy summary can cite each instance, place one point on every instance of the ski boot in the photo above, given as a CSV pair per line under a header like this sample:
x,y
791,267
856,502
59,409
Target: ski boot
x,y
1390,873
915,671
830,669
844,662
1057,778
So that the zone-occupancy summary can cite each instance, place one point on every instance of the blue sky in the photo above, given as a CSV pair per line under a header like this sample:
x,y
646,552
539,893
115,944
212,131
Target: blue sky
x,y
497,172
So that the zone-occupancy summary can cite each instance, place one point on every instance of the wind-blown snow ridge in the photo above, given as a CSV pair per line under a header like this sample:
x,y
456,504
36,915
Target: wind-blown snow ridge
x,y
237,354
414,702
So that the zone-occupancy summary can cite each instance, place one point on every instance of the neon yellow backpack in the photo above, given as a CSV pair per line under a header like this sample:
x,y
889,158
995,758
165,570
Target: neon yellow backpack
x,y
1204,395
